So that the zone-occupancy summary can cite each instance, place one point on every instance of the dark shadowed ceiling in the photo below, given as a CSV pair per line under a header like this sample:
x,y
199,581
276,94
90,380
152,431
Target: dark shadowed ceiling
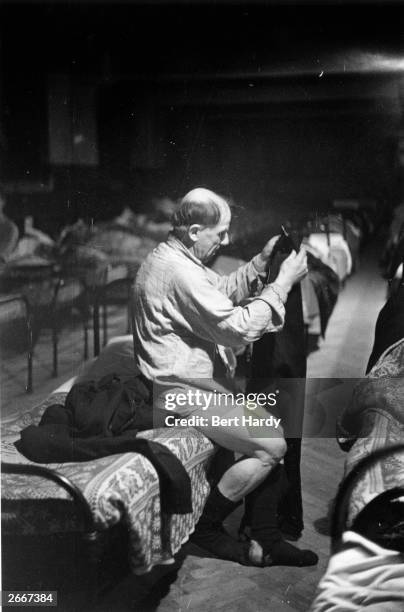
x,y
261,39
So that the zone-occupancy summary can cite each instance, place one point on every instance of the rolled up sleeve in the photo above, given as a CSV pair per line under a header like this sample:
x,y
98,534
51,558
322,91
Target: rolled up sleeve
x,y
238,285
211,315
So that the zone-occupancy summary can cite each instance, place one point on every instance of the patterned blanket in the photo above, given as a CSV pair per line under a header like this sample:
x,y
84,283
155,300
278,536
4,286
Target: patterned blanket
x,y
120,489
375,419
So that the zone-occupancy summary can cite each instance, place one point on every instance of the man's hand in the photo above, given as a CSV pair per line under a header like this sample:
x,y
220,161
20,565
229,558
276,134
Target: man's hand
x,y
268,248
292,270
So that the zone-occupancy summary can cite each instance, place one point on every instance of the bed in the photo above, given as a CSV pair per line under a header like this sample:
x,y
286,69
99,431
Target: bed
x,y
374,419
88,499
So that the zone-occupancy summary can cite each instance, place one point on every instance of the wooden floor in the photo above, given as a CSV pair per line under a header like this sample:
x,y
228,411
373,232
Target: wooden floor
x,y
198,583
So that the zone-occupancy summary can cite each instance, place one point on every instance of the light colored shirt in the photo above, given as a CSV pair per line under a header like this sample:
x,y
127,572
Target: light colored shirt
x,y
361,576
182,310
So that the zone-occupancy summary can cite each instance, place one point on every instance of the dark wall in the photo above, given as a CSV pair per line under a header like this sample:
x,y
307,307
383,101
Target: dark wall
x,y
167,116
291,158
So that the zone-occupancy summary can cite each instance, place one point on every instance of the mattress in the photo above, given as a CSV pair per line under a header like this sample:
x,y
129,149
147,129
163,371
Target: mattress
x,y
119,489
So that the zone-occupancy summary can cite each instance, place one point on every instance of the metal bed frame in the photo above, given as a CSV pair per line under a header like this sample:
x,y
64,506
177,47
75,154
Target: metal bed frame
x,y
340,511
92,541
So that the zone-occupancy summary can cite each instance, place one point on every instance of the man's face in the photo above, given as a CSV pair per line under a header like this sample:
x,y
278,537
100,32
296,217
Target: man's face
x,y
211,238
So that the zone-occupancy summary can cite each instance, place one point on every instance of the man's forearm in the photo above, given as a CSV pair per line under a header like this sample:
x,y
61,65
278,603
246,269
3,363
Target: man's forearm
x,y
238,285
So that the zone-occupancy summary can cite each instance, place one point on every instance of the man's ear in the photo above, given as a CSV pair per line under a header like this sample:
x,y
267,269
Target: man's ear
x,y
193,231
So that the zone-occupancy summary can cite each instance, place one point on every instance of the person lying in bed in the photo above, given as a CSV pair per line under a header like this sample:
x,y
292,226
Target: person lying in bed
x,y
182,311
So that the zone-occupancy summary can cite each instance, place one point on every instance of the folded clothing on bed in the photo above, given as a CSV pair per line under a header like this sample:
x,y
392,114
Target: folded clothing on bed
x,y
120,489
102,418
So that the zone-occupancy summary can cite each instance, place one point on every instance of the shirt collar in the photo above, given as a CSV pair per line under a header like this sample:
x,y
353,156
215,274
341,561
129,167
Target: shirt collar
x,y
177,245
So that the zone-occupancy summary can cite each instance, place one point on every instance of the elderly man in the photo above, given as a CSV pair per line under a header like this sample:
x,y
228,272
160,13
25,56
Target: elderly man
x,y
182,312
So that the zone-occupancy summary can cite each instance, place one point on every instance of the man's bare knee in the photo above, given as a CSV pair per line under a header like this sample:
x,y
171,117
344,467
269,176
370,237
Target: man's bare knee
x,y
270,450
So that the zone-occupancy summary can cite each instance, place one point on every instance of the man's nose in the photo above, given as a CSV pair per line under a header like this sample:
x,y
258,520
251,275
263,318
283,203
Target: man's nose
x,y
225,240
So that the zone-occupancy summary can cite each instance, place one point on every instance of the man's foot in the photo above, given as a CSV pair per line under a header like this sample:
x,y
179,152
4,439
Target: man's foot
x,y
214,539
219,543
291,537
284,553
249,552
280,553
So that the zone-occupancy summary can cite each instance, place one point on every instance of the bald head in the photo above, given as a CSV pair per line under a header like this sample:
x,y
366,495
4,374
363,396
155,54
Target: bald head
x,y
200,206
202,223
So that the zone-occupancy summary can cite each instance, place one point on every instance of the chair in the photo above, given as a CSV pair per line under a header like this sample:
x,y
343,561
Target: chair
x,y
69,293
101,285
116,290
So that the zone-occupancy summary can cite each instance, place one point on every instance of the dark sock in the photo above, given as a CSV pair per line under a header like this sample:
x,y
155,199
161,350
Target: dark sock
x,y
290,509
289,529
218,507
209,533
284,553
262,508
